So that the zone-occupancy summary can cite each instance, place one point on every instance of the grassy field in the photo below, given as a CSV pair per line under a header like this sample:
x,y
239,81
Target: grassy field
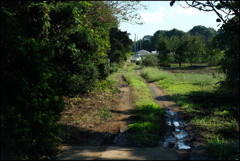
x,y
150,123
212,111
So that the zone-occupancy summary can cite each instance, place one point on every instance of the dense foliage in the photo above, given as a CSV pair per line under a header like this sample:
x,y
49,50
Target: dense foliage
x,y
30,101
177,46
120,43
150,60
50,49
227,40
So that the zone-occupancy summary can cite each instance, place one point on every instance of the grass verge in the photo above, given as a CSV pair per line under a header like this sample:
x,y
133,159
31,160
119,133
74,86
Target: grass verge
x,y
213,112
149,127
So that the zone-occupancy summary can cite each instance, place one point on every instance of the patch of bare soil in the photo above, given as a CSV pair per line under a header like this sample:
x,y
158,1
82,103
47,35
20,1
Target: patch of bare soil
x,y
83,120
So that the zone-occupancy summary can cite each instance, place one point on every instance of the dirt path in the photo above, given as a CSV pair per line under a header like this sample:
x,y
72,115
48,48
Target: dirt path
x,y
106,134
197,151
113,142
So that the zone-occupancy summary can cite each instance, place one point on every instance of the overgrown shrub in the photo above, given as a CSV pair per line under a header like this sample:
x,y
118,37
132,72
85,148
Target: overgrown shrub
x,y
30,102
150,60
114,67
48,49
138,62
104,69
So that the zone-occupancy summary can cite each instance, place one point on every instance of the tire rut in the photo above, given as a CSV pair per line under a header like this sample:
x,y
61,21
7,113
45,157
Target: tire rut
x,y
191,144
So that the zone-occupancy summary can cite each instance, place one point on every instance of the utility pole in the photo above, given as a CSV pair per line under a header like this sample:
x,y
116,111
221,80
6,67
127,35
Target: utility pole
x,y
140,44
135,42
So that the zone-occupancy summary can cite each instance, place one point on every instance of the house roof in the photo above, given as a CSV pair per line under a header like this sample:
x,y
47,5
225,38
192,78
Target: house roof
x,y
142,51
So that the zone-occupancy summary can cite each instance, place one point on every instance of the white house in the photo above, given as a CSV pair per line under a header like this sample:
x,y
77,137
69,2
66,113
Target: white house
x,y
135,58
143,52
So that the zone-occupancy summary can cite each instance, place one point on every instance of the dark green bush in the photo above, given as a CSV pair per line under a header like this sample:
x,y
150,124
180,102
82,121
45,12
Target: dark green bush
x,y
167,64
104,69
114,67
138,62
30,100
150,60
30,104
49,49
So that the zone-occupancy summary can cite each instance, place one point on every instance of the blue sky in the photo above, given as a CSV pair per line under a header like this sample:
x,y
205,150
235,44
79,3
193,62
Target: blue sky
x,y
161,16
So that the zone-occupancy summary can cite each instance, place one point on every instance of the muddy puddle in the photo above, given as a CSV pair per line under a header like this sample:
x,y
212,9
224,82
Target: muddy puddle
x,y
176,135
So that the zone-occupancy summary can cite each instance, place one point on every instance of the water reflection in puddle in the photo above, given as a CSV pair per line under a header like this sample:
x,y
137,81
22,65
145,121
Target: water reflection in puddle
x,y
179,133
169,139
169,123
176,123
182,145
171,113
178,130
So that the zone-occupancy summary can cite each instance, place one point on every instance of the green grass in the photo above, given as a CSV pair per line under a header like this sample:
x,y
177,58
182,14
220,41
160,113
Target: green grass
x,y
197,79
223,149
177,64
216,120
153,74
148,129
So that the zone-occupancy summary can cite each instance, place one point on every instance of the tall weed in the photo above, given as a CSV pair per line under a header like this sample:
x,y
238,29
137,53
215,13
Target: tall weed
x,y
154,74
150,60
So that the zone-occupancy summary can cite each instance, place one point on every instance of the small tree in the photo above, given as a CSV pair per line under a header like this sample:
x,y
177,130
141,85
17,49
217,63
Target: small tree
x,y
163,55
195,49
180,55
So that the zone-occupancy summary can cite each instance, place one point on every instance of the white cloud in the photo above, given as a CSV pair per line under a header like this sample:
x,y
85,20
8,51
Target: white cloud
x,y
160,8
152,17
170,14
165,11
186,11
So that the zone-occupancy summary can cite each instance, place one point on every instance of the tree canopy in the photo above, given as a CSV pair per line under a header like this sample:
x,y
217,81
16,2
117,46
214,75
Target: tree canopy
x,y
228,39
51,49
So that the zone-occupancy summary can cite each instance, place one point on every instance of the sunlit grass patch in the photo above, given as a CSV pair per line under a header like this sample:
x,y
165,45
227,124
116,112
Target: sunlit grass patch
x,y
140,91
150,112
148,129
154,74
182,89
132,76
197,79
198,95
